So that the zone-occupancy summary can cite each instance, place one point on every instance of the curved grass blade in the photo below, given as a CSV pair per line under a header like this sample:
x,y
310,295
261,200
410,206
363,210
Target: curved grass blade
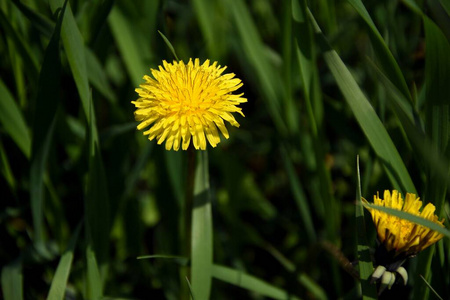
x,y
169,45
13,121
59,282
249,282
366,116
385,57
202,232
74,46
363,248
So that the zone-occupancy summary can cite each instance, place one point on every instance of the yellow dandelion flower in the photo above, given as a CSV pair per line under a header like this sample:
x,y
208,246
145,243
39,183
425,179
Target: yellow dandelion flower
x,y
399,235
184,102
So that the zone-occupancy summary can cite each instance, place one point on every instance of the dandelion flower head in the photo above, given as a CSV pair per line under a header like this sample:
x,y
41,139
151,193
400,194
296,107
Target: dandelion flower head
x,y
184,102
399,235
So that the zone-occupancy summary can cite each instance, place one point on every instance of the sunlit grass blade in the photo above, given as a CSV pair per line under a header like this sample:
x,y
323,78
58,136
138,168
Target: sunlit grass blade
x,y
249,282
366,117
125,37
202,231
74,49
59,282
12,281
169,45
47,101
13,121
381,50
363,248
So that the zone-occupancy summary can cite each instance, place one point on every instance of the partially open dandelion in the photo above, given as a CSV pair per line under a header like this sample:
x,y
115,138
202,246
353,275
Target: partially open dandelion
x,y
188,101
400,238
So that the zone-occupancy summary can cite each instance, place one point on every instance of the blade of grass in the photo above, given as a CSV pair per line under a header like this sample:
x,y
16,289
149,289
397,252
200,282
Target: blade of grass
x,y
74,46
363,249
97,207
299,196
28,57
437,77
13,121
12,281
256,54
431,288
366,116
39,21
97,76
125,36
47,101
59,282
381,50
202,232
169,45
410,217
249,282
94,285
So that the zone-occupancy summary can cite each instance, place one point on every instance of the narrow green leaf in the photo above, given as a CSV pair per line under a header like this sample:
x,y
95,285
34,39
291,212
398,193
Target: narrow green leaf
x,y
13,121
96,202
5,168
299,196
74,46
125,36
430,287
249,282
97,76
256,54
363,248
410,217
94,283
59,282
169,45
47,101
12,281
39,21
23,48
181,260
206,18
366,116
202,232
384,55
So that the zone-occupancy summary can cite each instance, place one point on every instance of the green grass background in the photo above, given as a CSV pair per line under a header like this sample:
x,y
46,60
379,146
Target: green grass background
x,y
83,194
